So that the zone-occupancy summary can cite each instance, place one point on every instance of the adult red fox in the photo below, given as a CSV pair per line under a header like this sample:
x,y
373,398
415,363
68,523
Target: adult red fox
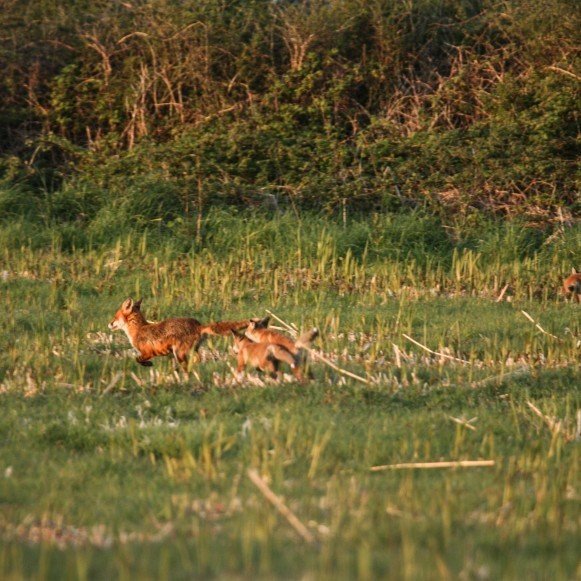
x,y
266,354
175,336
572,285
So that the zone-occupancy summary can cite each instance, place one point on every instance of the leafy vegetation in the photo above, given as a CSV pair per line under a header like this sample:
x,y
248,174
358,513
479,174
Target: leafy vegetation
x,y
167,108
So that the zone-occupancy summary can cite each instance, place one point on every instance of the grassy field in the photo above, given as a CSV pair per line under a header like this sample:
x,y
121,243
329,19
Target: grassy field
x,y
111,470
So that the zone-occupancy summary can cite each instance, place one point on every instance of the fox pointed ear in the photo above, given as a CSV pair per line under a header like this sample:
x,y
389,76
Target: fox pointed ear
x,y
137,304
127,305
574,271
260,323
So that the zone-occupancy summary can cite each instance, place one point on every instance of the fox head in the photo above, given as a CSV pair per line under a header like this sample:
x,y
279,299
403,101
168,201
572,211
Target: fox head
x,y
239,340
258,324
119,321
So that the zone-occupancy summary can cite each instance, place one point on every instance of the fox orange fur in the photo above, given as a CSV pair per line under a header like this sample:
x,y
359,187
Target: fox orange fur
x,y
259,333
572,286
177,336
264,348
264,356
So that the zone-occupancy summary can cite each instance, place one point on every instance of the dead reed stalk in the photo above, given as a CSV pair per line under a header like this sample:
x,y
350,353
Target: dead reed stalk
x,y
434,352
539,327
463,422
280,506
443,464
556,426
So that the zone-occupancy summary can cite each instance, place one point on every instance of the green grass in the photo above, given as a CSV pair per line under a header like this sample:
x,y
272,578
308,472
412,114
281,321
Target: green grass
x,y
108,469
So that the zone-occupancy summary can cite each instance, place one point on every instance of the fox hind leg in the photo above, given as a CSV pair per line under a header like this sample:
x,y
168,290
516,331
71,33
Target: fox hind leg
x,y
181,356
278,354
271,367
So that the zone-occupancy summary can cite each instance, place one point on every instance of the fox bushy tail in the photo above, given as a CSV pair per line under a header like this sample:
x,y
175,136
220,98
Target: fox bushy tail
x,y
303,343
305,340
225,327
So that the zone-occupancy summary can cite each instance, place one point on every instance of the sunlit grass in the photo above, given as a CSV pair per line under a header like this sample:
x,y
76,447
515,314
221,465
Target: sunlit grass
x,y
110,469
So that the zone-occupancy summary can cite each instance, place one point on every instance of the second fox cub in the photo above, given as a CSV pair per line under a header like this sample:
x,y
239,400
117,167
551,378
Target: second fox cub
x,y
170,337
265,351
572,285
259,333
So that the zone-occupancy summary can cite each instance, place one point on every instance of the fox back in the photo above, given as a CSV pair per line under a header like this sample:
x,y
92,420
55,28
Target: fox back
x,y
269,336
265,335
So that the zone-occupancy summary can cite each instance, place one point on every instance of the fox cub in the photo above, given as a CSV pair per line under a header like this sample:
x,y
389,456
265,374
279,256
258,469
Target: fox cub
x,y
572,286
259,332
265,349
177,336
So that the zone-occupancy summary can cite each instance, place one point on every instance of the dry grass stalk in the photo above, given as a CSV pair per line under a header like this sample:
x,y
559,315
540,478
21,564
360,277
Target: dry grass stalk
x,y
463,422
112,383
137,379
501,295
292,329
280,506
539,327
564,72
397,353
318,356
555,426
521,371
336,368
434,352
444,464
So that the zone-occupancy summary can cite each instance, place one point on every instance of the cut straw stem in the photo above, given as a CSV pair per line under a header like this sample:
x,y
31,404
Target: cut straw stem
x,y
539,327
444,464
290,328
465,423
434,352
521,371
501,295
280,506
335,367
555,426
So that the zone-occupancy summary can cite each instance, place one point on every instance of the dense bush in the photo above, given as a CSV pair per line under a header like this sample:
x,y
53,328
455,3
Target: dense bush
x,y
159,109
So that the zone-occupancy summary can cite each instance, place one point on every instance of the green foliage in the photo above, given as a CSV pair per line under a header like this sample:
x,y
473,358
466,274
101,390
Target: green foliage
x,y
18,202
461,107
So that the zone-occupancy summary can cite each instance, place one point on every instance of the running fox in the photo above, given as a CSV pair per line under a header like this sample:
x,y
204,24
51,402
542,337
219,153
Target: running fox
x,y
572,285
266,354
259,333
175,336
